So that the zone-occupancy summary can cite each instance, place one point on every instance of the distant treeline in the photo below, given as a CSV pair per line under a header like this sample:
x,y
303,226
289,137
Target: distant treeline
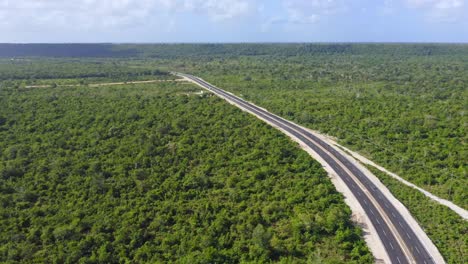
x,y
295,49
63,50
76,68
169,51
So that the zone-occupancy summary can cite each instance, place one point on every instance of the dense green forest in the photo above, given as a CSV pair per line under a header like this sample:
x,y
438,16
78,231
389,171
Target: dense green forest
x,y
30,71
63,50
406,113
210,50
159,173
401,105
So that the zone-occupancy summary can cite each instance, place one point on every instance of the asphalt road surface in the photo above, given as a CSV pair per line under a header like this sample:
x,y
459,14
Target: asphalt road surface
x,y
399,240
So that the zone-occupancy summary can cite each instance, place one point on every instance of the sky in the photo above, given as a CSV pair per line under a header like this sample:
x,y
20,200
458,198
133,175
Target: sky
x,y
154,21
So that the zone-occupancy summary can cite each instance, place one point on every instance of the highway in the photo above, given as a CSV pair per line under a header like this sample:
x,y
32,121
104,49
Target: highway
x,y
398,238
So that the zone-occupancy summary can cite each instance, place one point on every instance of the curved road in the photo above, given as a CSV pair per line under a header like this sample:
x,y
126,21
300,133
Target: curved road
x,y
399,240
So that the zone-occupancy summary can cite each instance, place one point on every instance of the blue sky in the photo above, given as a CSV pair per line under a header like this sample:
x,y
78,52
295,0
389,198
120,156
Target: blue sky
x,y
233,21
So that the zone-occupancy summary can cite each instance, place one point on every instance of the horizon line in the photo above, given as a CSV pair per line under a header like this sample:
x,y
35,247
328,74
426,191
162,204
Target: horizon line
x,y
239,42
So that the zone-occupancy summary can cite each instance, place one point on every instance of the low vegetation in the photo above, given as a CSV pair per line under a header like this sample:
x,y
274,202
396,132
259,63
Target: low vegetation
x,y
159,173
401,105
406,113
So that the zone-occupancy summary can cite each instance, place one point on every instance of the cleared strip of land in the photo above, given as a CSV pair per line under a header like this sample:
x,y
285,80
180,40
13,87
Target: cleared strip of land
x,y
457,209
403,242
104,84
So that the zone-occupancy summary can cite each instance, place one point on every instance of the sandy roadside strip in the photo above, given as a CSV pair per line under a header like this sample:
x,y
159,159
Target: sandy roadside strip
x,y
428,244
104,84
359,216
360,158
457,209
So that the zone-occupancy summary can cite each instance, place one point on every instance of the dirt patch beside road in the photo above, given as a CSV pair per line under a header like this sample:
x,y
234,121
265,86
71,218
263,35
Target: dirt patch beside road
x,y
104,84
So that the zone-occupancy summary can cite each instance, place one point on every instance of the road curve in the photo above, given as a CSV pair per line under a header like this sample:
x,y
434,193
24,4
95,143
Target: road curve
x,y
401,243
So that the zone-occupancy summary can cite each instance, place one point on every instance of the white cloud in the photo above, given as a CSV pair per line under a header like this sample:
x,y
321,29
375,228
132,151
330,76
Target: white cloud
x,y
219,9
440,10
439,4
310,11
104,14
388,7
82,14
301,12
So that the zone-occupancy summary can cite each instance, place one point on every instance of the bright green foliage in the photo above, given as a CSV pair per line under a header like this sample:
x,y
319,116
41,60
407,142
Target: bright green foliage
x,y
33,71
159,173
407,113
402,105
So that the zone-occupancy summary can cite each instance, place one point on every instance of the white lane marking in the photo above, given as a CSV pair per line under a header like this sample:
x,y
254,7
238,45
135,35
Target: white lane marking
x,y
378,221
393,214
372,212
359,194
417,249
391,245
386,205
400,223
365,202
408,235
398,260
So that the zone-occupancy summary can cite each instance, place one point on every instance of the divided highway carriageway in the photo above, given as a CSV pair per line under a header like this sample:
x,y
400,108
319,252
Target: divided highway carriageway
x,y
398,238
